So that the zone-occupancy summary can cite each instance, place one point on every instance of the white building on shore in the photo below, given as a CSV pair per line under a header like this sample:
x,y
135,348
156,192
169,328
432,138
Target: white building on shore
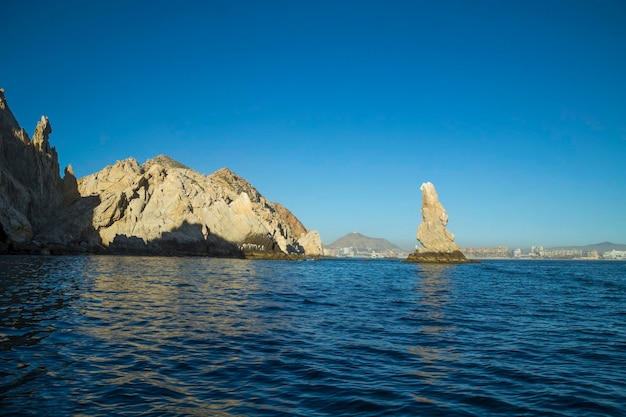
x,y
614,254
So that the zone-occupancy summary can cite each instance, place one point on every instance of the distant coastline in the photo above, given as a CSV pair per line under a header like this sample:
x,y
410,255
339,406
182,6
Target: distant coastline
x,y
363,247
549,259
598,251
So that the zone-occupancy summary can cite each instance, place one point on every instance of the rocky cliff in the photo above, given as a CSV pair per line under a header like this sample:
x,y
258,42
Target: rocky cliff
x,y
163,206
160,207
33,196
438,243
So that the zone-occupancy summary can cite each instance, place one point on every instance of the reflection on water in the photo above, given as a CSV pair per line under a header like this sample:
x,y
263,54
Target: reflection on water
x,y
167,288
433,286
112,320
435,347
168,309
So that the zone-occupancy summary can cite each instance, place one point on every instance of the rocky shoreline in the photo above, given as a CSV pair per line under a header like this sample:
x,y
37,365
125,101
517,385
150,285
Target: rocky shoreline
x,y
34,249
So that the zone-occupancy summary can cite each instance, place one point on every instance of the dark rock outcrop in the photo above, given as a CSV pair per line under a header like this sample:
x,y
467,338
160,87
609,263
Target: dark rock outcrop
x,y
33,196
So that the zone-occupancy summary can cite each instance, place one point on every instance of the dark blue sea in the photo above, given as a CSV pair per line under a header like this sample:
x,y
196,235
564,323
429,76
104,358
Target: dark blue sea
x,y
152,336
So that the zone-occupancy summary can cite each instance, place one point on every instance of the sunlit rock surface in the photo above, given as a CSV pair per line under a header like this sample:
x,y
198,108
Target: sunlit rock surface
x,y
163,205
438,243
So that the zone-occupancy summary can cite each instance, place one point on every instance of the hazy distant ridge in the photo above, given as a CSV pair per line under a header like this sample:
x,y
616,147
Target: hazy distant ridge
x,y
600,247
357,240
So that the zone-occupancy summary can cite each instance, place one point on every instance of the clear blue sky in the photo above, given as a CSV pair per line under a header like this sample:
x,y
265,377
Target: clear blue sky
x,y
339,110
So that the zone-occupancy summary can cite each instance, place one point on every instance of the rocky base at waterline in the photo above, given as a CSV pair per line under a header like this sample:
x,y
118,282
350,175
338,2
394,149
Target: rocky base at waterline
x,y
424,256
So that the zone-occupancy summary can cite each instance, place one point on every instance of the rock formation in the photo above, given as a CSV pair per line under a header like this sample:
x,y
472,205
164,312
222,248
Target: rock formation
x,y
162,206
438,243
33,195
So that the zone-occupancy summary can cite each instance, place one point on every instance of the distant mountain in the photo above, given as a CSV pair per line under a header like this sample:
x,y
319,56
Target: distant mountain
x,y
359,241
600,247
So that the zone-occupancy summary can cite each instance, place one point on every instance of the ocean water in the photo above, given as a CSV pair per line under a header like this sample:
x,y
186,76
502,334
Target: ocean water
x,y
135,336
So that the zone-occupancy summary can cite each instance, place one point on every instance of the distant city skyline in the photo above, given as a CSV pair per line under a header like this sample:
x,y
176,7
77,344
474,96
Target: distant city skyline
x,y
341,110
500,248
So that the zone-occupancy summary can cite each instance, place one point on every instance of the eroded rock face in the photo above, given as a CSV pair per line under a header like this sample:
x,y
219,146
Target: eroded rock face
x,y
432,232
32,193
438,243
311,242
163,205
160,207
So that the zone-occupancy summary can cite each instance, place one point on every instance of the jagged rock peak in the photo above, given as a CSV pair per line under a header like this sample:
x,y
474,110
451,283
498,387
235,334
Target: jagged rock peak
x,y
41,137
163,160
7,119
229,180
69,170
125,165
225,172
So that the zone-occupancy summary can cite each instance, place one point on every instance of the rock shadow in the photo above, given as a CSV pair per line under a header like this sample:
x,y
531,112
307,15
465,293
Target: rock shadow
x,y
67,228
185,240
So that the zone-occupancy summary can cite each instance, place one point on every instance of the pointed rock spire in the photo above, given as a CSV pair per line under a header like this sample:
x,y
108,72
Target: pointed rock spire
x,y
438,242
432,232
42,132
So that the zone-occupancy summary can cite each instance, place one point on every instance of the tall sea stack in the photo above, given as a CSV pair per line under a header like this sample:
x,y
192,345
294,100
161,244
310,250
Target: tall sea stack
x,y
438,243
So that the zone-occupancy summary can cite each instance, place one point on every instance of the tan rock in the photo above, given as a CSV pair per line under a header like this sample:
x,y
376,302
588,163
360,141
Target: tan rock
x,y
438,243
160,207
311,242
163,200
432,232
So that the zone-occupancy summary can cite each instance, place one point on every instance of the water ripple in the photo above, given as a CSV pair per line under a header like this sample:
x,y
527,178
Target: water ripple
x,y
189,336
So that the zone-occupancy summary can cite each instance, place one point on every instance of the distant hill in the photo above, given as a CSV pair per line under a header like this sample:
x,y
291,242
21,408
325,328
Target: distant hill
x,y
600,247
357,240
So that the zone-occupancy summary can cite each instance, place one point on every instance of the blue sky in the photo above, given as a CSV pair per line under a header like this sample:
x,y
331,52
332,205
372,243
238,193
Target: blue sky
x,y
339,110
